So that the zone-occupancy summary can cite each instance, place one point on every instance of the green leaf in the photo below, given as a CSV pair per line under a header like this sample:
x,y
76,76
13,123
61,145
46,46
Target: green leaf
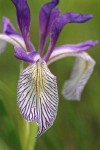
x,y
8,131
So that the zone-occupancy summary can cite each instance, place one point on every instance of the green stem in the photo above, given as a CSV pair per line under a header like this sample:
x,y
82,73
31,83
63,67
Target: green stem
x,y
24,130
32,140
27,133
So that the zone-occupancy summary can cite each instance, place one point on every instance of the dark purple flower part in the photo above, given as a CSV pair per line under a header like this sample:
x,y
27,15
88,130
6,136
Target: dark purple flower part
x,y
30,57
48,14
8,28
37,93
23,18
60,22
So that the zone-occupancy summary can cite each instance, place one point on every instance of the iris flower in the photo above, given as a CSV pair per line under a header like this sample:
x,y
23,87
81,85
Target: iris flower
x,y
37,93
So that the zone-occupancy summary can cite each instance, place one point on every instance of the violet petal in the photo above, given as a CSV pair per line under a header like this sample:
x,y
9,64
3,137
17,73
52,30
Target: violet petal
x,y
47,15
8,28
59,23
26,56
62,20
23,18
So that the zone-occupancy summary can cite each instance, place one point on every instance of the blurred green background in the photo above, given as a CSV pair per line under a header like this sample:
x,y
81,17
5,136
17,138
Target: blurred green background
x,y
77,126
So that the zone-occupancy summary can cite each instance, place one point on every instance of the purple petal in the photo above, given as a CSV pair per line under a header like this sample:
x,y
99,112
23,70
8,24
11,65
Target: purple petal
x,y
48,13
10,31
8,28
38,95
70,49
26,56
23,18
59,24
62,20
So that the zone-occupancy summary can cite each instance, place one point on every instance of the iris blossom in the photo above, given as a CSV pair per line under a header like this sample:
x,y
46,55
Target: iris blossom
x,y
37,93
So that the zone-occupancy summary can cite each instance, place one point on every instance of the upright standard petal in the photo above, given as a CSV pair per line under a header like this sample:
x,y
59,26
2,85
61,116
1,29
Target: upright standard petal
x,y
83,67
59,23
23,18
38,96
47,15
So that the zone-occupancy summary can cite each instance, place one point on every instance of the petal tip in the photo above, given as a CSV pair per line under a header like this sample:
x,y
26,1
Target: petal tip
x,y
92,42
96,42
90,16
71,95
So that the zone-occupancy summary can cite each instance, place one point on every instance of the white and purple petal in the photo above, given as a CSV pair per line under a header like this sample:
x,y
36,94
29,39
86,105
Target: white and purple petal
x,y
82,70
70,49
8,28
10,31
12,40
10,35
38,96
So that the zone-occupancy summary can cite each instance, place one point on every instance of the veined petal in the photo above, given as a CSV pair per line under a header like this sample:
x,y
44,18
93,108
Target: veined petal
x,y
83,67
38,96
82,71
58,25
48,14
23,18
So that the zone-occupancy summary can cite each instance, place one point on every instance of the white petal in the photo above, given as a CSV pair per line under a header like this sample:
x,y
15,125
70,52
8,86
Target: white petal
x,y
14,40
38,96
82,71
